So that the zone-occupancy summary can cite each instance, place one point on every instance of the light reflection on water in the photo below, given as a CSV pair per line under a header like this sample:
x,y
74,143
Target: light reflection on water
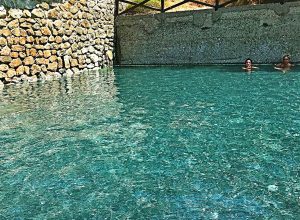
x,y
152,143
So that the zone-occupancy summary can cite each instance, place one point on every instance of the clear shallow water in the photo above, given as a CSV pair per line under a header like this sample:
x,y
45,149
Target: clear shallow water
x,y
153,143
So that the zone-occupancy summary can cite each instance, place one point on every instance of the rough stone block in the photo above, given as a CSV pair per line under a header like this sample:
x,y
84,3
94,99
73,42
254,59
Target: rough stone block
x,y
58,39
20,70
15,13
53,58
17,48
3,23
44,6
52,66
46,31
5,59
14,54
35,69
27,70
28,61
67,61
26,13
22,40
38,13
13,24
4,67
2,12
10,73
3,41
15,63
22,55
53,13
47,53
5,32
5,51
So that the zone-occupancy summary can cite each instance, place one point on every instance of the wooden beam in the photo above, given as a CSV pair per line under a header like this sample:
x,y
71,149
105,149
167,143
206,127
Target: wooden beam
x,y
217,5
162,6
116,12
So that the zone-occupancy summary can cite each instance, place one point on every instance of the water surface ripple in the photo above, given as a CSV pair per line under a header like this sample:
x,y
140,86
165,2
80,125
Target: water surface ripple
x,y
152,143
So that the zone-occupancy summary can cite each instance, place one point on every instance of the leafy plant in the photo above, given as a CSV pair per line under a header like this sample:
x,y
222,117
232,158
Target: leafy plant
x,y
24,4
152,3
191,6
257,2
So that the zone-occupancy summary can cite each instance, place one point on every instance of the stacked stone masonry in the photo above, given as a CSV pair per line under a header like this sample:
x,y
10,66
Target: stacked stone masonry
x,y
54,40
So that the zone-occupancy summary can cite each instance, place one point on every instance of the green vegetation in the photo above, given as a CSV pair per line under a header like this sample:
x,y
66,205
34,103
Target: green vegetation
x,y
256,2
192,6
24,4
152,3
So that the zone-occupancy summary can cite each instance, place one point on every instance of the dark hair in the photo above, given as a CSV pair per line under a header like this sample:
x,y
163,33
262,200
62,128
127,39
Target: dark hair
x,y
247,60
286,56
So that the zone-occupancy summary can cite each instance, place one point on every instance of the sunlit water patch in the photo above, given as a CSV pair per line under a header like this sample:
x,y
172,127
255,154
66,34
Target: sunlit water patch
x,y
152,143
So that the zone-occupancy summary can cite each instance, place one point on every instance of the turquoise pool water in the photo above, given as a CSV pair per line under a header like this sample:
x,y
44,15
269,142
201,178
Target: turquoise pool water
x,y
152,143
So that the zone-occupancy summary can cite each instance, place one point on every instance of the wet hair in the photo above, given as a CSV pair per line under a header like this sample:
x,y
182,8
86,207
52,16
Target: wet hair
x,y
247,60
286,57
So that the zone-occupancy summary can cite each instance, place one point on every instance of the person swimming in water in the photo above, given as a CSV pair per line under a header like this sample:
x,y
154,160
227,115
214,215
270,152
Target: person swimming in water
x,y
249,65
285,64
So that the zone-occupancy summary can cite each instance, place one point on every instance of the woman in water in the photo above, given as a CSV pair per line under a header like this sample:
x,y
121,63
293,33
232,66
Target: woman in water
x,y
249,65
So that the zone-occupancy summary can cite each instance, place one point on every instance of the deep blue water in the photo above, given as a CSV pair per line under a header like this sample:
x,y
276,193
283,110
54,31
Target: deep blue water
x,y
153,143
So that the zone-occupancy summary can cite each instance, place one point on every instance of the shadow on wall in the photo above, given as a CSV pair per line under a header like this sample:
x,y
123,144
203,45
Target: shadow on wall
x,y
230,35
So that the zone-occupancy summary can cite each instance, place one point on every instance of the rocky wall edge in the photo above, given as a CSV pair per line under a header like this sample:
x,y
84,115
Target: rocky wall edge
x,y
55,40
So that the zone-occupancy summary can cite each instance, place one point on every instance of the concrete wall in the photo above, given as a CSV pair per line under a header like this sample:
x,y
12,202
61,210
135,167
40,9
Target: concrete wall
x,y
229,35
54,40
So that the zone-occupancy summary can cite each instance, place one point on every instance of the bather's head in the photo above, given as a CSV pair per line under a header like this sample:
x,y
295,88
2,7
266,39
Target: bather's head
x,y
248,63
286,59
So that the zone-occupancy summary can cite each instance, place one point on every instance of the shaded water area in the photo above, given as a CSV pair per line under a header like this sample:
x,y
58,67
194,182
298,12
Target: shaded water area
x,y
152,143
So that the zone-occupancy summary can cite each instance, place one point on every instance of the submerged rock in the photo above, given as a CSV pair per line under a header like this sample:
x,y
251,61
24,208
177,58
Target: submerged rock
x,y
32,79
69,73
272,188
24,78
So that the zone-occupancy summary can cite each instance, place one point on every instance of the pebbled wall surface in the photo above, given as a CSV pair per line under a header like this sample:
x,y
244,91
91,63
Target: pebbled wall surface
x,y
230,35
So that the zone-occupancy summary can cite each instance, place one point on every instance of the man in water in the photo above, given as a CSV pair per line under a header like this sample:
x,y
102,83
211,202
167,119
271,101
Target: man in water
x,y
285,64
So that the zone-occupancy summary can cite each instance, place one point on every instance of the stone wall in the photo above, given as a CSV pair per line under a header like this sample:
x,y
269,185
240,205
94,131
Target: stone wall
x,y
229,35
54,40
